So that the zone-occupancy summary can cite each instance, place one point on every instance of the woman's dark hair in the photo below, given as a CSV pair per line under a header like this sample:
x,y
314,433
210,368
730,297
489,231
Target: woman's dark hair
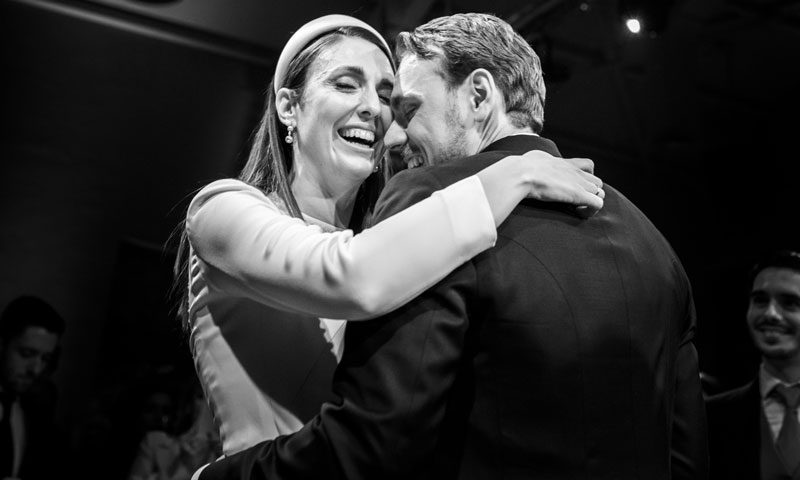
x,y
270,163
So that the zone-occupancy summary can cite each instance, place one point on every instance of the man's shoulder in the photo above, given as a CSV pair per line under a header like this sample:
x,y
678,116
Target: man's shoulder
x,y
733,396
410,186
419,178
436,177
405,189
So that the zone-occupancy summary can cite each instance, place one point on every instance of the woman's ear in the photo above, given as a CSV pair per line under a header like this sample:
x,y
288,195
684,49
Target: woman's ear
x,y
284,105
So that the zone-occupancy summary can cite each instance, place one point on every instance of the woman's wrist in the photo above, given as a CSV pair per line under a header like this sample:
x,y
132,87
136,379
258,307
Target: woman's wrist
x,y
506,183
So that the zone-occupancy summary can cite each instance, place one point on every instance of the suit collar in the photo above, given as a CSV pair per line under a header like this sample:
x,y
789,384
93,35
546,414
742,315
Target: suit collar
x,y
523,143
767,381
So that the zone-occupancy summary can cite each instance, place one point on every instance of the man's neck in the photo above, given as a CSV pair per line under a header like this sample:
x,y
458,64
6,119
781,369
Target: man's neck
x,y
500,131
786,371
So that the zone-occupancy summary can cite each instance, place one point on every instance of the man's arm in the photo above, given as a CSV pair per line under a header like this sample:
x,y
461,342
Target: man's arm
x,y
689,444
391,389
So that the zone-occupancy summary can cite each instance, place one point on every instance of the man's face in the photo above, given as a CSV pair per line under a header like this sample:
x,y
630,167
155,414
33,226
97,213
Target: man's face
x,y
26,356
429,118
773,316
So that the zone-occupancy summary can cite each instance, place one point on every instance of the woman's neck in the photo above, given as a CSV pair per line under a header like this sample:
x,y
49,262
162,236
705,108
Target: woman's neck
x,y
332,205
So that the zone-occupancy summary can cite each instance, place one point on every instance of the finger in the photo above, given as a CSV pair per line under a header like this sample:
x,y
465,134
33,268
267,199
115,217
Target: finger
x,y
593,179
585,212
597,190
596,202
585,164
593,187
588,211
590,203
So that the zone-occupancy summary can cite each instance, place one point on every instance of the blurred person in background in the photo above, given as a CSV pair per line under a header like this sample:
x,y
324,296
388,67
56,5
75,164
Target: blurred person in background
x,y
753,429
31,443
184,439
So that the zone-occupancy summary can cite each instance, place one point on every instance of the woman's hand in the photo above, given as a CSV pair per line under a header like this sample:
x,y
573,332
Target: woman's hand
x,y
539,175
567,180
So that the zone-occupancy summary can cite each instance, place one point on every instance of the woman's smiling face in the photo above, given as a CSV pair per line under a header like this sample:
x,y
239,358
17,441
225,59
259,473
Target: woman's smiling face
x,y
343,114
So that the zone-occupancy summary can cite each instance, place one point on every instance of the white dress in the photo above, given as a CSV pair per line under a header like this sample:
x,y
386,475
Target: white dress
x,y
265,290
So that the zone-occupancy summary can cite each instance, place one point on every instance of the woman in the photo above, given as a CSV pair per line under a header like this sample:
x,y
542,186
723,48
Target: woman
x,y
270,259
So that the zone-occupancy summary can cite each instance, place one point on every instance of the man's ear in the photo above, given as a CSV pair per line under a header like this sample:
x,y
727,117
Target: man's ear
x,y
482,92
285,103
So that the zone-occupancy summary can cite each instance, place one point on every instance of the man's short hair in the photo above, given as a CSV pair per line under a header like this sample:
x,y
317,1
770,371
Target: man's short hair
x,y
29,311
465,42
789,259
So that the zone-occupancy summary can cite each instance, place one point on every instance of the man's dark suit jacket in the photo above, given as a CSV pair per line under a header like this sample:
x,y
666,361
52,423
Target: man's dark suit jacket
x,y
563,352
734,433
45,453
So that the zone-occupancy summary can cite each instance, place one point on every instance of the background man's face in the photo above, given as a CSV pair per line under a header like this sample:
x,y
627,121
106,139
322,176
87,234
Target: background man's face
x,y
774,314
428,115
26,357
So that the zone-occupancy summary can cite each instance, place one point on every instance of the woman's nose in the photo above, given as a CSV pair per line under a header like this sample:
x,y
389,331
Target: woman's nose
x,y
370,105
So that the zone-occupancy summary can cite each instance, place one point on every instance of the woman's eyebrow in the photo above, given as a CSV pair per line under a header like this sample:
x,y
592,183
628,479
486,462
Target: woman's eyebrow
x,y
348,69
356,71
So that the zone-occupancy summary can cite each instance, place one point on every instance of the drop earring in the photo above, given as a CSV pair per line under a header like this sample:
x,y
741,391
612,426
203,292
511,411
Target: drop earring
x,y
289,134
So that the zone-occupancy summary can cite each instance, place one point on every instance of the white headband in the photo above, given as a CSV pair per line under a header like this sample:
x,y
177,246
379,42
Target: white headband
x,y
313,29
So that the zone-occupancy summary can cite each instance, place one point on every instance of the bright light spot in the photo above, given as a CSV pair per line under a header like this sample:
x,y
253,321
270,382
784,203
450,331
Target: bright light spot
x,y
633,25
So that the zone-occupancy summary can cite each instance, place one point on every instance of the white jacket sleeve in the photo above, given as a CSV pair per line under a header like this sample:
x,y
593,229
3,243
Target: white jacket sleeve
x,y
248,247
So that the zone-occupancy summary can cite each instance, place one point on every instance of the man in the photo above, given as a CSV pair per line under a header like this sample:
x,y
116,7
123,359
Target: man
x,y
564,352
753,429
30,333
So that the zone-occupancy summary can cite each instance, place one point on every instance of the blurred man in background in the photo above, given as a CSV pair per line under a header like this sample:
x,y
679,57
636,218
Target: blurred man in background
x,y
753,430
30,335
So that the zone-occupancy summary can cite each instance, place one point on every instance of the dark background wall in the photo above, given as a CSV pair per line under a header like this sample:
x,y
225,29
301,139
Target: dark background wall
x,y
114,112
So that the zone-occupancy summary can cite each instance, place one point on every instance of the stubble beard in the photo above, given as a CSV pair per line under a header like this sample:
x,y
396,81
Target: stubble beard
x,y
455,145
